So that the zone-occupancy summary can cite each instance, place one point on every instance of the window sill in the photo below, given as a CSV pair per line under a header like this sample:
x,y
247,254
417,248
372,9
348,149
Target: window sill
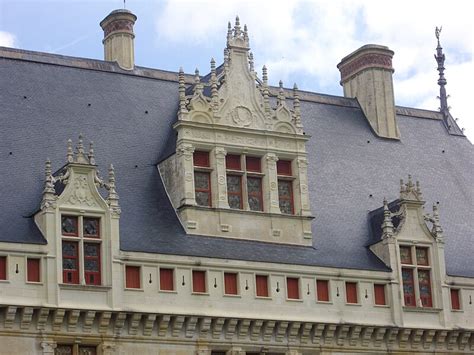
x,y
250,212
422,309
200,293
98,288
39,283
232,295
381,305
134,289
354,304
324,302
265,298
4,281
168,291
457,310
294,300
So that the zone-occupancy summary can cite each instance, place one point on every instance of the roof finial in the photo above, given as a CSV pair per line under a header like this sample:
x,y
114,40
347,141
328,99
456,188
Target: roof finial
x,y
197,78
48,191
297,109
237,30
214,91
266,94
113,198
246,33
91,153
81,158
281,94
252,69
229,32
387,225
182,91
70,152
439,56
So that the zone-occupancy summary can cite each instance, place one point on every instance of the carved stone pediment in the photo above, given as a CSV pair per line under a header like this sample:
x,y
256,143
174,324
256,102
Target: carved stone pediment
x,y
232,95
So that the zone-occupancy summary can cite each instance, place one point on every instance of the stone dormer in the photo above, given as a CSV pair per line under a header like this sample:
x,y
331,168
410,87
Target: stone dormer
x,y
411,243
240,168
80,225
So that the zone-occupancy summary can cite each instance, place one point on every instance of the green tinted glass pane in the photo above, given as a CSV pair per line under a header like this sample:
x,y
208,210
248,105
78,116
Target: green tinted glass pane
x,y
233,183
91,227
69,225
201,181
234,201
202,198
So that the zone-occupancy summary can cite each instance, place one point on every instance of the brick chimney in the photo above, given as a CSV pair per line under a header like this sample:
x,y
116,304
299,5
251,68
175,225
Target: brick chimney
x,y
118,38
366,74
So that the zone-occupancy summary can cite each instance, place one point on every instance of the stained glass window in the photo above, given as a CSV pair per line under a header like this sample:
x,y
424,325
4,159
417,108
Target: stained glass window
x,y
202,186
425,287
63,350
254,188
408,287
405,255
92,263
69,225
234,191
422,256
91,227
70,253
285,195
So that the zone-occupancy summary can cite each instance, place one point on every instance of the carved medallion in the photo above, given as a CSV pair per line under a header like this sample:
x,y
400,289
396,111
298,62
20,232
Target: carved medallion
x,y
242,116
81,194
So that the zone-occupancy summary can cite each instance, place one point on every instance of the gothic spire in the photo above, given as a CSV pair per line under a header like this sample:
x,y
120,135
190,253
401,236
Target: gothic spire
x,y
443,98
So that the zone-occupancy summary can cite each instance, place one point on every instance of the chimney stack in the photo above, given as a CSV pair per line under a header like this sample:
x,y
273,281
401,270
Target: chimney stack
x,y
118,38
366,74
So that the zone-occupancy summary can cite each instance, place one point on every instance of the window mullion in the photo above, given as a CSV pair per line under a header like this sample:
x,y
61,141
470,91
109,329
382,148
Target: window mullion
x,y
81,256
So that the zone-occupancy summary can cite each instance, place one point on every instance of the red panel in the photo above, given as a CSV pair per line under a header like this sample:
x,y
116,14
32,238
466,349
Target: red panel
x,y
351,292
3,267
33,270
92,267
455,304
292,285
379,291
232,162
201,159
230,283
262,285
166,280
284,167
322,288
132,276
253,164
70,262
199,281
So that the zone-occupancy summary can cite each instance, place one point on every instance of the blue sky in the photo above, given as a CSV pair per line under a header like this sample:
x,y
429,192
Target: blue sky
x,y
299,41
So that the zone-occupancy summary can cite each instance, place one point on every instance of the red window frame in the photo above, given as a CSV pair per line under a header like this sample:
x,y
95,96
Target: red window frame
x,y
71,276
166,279
92,277
132,276
201,158
293,288
409,297
33,270
284,198
84,234
455,299
230,283
379,295
351,293
199,281
261,285
75,218
3,267
322,290
233,162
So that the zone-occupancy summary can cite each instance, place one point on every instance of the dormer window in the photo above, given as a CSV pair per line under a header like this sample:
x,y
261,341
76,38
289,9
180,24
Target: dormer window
x,y
285,187
81,236
416,276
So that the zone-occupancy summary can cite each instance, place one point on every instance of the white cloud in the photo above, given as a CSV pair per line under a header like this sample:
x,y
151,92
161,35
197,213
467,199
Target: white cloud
x,y
306,39
7,39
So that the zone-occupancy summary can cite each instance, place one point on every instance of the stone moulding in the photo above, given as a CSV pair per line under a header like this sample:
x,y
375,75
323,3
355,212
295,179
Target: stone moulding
x,y
106,325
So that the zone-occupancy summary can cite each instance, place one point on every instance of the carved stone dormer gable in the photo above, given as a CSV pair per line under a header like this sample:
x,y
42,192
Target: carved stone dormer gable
x,y
233,95
79,217
237,155
411,243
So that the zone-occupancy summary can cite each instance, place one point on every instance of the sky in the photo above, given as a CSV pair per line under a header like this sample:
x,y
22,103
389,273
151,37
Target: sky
x,y
298,40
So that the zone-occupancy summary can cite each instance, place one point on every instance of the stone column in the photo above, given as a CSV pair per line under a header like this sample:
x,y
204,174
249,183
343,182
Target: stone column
x,y
271,183
186,170
219,176
303,196
48,347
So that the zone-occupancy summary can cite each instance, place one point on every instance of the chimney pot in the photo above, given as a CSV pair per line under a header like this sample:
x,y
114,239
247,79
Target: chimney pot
x,y
118,38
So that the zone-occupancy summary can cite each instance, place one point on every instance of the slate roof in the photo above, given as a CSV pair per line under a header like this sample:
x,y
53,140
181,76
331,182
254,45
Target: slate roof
x,y
129,115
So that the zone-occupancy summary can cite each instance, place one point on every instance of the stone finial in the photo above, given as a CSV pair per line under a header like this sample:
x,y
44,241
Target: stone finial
x,y
49,195
246,33
226,60
91,153
229,32
387,225
80,155
410,191
237,29
266,93
182,91
252,69
197,78
437,230
112,198
440,57
281,94
296,107
198,87
236,38
214,91
70,152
